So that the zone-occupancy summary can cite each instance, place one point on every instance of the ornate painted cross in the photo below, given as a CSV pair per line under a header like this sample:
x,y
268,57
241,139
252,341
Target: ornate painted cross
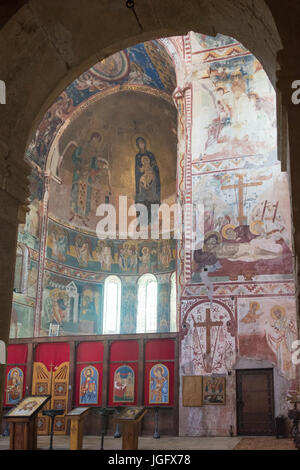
x,y
208,324
240,186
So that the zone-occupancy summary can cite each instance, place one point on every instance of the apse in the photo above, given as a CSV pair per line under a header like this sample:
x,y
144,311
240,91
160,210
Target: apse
x,y
110,137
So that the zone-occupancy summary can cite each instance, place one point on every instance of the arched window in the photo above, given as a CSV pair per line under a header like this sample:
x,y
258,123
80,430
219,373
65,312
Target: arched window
x,y
173,303
112,305
147,304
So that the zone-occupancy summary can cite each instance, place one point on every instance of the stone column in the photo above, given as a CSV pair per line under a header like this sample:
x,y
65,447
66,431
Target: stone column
x,y
13,196
289,145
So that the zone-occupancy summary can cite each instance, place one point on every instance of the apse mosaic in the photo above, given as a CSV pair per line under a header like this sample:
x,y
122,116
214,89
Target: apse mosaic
x,y
101,157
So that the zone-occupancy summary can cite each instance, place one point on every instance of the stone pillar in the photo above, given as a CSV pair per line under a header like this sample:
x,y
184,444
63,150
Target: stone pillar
x,y
8,242
13,199
289,145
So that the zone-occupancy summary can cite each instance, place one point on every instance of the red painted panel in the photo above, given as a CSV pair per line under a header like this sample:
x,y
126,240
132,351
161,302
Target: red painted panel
x,y
90,351
17,354
124,351
148,367
52,353
160,350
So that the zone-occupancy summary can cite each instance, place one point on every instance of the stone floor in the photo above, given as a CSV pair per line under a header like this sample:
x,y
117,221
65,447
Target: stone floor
x,y
171,443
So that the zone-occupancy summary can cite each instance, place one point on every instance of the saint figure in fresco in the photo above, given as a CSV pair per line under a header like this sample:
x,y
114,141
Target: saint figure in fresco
x,y
85,172
89,385
83,252
59,243
57,306
252,314
147,177
283,334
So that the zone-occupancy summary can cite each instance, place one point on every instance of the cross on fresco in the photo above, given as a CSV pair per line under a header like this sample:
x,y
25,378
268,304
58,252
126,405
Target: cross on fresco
x,y
241,185
208,324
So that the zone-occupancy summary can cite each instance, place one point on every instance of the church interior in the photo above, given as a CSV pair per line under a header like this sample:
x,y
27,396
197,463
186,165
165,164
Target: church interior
x,y
193,327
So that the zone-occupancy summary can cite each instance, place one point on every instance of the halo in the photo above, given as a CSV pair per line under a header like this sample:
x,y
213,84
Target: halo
x,y
256,304
112,68
91,132
224,230
278,307
158,366
135,136
252,226
212,232
89,368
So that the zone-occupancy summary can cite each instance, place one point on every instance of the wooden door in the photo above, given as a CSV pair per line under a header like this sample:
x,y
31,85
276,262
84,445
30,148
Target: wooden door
x,y
56,384
41,385
255,402
59,400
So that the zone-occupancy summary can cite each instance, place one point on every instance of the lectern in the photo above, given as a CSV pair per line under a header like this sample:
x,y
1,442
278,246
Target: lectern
x,y
76,417
22,421
130,419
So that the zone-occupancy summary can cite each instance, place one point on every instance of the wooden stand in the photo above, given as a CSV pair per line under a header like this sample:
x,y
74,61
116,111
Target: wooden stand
x,y
76,417
23,429
23,433
130,429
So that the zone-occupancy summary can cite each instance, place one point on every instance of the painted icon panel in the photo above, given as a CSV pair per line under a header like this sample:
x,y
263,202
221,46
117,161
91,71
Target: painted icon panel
x,y
89,386
159,384
123,385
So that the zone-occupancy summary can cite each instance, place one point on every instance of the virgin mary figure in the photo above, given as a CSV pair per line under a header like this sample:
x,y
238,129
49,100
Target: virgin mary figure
x,y
146,176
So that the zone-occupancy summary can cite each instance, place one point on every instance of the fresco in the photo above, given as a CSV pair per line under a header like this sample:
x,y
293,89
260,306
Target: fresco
x,y
29,233
123,385
163,305
144,64
89,386
159,384
239,104
267,328
95,162
147,178
246,224
75,306
22,319
80,250
209,332
128,306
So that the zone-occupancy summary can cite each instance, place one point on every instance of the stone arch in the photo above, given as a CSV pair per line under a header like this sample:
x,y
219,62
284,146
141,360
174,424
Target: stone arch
x,y
50,38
